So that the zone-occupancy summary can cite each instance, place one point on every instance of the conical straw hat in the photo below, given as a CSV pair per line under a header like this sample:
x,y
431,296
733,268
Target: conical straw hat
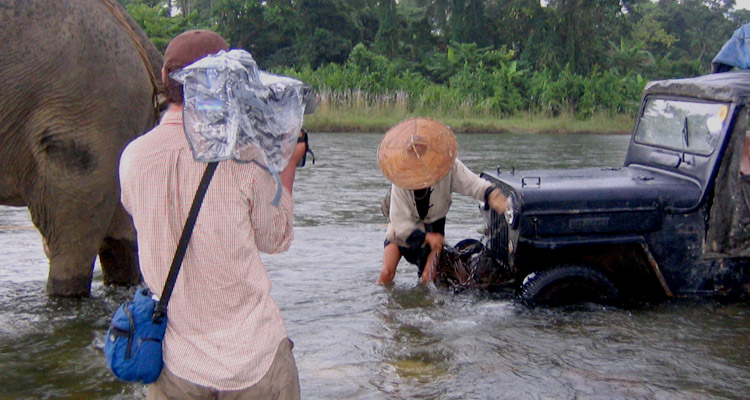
x,y
417,153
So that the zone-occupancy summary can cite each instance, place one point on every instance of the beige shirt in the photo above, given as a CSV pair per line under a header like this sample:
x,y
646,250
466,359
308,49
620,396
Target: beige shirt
x,y
403,216
223,327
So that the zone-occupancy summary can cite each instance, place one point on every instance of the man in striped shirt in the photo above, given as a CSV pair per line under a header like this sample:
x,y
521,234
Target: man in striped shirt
x,y
225,336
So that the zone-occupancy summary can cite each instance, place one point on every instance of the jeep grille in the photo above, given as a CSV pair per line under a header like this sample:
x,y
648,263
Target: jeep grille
x,y
497,242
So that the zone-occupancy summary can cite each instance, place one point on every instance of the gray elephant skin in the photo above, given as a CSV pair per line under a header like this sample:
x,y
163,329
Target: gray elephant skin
x,y
77,83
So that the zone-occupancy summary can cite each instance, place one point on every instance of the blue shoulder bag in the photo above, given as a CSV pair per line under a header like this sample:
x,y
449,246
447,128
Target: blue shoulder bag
x,y
133,345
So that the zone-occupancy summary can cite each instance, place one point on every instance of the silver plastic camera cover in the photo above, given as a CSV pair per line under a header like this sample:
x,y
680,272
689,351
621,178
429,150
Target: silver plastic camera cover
x,y
233,110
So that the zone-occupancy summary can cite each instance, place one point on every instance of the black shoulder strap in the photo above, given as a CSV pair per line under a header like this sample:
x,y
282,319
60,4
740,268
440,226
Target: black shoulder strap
x,y
187,231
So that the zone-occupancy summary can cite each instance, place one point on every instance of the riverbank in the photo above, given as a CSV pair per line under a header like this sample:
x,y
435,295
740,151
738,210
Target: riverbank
x,y
327,120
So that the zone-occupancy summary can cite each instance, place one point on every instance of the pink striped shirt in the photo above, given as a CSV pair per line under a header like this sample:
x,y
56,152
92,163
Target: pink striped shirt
x,y
223,326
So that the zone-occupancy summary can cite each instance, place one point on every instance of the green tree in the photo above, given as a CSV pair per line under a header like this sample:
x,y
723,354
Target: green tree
x,y
650,31
467,22
580,30
514,23
155,18
699,26
417,39
202,8
328,31
627,58
150,3
367,20
389,28
739,17
266,28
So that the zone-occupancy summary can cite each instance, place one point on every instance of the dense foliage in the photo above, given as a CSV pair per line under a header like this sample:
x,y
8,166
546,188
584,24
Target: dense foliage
x,y
467,57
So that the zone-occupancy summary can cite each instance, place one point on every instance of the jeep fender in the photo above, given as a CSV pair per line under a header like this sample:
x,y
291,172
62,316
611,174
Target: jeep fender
x,y
566,284
622,259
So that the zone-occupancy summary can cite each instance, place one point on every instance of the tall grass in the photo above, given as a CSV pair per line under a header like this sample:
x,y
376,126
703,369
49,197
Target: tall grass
x,y
357,111
370,93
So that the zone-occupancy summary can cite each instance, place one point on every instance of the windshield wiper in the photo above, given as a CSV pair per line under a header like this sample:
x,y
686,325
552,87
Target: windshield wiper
x,y
685,140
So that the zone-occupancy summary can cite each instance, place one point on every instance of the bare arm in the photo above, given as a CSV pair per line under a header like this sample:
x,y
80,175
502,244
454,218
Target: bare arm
x,y
287,175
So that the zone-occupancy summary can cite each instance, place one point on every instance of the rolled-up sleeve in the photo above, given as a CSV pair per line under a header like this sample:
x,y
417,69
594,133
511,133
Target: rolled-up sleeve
x,y
466,182
124,174
273,225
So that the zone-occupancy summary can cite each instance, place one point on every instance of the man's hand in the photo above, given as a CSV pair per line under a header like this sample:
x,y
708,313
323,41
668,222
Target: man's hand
x,y
497,201
287,175
434,240
297,153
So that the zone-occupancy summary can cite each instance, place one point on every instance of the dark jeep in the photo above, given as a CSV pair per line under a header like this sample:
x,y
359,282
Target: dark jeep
x,y
673,221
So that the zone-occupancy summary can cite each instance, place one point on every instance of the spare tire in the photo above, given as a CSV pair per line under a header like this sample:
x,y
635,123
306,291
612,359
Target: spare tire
x,y
568,284
467,248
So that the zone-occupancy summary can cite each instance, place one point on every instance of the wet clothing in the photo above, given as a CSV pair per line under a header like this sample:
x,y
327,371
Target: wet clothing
x,y
281,380
223,326
415,251
407,220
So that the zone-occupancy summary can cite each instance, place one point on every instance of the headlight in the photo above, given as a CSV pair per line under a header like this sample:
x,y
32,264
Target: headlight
x,y
510,213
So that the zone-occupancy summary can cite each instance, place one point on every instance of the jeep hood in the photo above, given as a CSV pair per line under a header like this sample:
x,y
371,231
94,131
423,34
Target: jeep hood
x,y
597,189
595,200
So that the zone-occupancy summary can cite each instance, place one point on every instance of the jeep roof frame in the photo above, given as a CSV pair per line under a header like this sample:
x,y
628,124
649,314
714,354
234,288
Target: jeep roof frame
x,y
732,86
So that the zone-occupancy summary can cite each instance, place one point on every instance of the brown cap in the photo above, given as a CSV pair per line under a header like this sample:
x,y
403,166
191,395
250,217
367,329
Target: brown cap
x,y
417,153
191,46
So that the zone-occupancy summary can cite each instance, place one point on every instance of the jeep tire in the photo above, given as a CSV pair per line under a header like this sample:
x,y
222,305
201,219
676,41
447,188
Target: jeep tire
x,y
568,284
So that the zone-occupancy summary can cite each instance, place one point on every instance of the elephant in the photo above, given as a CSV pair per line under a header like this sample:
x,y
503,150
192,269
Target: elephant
x,y
78,81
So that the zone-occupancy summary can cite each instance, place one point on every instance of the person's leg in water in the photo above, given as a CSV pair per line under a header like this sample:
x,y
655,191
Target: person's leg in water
x,y
435,241
391,257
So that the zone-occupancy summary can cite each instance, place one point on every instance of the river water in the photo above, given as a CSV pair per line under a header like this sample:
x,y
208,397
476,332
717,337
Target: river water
x,y
358,340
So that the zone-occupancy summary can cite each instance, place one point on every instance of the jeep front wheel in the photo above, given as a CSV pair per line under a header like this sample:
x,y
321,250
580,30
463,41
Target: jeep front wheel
x,y
568,284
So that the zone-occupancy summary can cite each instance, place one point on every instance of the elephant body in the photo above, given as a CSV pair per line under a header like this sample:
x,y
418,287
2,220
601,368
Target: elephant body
x,y
77,83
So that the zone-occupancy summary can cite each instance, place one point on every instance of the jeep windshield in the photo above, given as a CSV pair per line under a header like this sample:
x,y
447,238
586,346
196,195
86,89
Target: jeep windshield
x,y
689,126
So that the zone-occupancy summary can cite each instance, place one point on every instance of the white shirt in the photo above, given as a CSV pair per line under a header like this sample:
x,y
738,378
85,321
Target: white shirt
x,y
403,216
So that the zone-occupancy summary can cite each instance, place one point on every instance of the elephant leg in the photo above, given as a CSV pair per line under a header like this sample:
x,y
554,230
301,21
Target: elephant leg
x,y
118,254
73,232
71,266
